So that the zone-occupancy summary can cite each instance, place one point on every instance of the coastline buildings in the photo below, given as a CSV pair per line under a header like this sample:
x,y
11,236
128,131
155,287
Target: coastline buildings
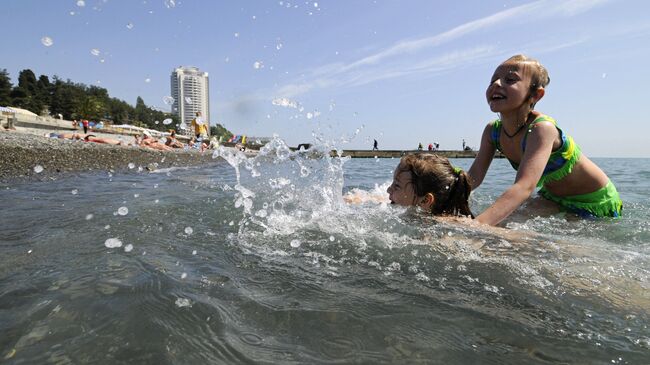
x,y
190,90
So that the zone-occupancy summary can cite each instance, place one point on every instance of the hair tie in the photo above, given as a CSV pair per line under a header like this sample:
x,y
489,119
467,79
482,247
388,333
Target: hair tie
x,y
457,170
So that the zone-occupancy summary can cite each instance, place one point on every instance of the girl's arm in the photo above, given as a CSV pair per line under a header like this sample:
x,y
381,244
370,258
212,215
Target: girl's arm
x,y
538,149
483,159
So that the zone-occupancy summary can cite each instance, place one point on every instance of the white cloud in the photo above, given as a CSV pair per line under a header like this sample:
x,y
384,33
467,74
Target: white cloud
x,y
391,63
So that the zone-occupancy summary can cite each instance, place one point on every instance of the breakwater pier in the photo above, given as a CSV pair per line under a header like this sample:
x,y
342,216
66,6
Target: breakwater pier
x,y
401,153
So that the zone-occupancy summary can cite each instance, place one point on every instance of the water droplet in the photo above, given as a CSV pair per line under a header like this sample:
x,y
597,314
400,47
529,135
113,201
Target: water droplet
x,y
188,230
604,75
129,26
168,100
278,46
72,13
315,5
188,100
257,65
194,252
183,275
47,41
128,248
170,4
89,217
123,211
182,302
331,238
74,192
113,243
167,121
295,243
131,165
38,169
81,3
231,223
236,35
310,115
147,80
95,52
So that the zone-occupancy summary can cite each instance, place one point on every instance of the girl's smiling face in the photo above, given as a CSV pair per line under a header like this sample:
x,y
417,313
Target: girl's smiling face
x,y
509,88
401,191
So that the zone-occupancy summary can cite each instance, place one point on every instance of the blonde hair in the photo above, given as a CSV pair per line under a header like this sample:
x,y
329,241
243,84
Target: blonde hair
x,y
434,174
538,73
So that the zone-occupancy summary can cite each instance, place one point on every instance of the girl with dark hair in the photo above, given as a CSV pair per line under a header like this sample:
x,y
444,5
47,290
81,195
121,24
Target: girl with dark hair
x,y
431,183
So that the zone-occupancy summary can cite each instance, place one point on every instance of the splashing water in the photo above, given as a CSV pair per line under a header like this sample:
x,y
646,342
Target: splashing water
x,y
113,243
168,100
47,41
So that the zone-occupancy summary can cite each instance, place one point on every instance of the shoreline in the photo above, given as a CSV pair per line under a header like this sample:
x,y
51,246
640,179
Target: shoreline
x,y
22,150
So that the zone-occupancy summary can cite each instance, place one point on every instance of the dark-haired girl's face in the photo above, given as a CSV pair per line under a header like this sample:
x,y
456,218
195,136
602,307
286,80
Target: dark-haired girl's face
x,y
402,191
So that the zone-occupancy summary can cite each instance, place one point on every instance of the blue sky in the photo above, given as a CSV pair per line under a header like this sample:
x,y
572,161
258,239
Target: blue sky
x,y
402,72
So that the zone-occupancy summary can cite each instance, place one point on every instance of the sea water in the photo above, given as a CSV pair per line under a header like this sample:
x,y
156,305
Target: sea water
x,y
259,260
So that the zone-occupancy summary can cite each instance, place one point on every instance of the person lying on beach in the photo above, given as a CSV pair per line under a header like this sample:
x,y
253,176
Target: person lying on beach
x,y
197,144
149,142
72,136
172,141
95,139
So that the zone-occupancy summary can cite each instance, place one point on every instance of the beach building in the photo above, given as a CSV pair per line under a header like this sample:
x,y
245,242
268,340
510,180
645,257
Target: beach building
x,y
190,90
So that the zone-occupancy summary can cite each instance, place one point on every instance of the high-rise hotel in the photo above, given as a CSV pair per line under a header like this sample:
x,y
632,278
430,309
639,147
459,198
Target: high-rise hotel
x,y
190,90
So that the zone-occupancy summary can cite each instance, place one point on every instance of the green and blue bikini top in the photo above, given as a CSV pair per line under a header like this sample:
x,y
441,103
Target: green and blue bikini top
x,y
560,162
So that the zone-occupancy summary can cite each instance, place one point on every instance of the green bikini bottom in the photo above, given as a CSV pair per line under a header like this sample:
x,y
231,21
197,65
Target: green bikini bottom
x,y
604,202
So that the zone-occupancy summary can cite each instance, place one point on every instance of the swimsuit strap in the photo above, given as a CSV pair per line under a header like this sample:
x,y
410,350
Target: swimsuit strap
x,y
541,118
496,134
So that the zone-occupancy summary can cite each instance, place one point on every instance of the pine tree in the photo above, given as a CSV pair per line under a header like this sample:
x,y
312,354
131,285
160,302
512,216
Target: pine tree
x,y
5,88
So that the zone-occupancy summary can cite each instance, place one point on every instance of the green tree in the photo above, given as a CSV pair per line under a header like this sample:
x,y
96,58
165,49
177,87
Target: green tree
x,y
25,94
64,99
5,88
220,131
44,91
91,107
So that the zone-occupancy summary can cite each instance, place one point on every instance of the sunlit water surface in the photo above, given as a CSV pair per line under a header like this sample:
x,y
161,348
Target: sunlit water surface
x,y
266,264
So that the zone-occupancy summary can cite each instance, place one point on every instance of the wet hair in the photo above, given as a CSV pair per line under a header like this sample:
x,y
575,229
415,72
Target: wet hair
x,y
538,74
434,174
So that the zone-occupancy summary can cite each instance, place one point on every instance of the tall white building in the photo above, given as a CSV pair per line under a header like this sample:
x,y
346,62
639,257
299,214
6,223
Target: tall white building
x,y
190,90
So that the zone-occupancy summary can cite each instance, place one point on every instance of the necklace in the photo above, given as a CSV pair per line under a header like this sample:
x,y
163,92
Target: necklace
x,y
516,132
518,129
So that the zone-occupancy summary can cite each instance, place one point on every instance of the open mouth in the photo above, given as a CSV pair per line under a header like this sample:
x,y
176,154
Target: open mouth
x,y
497,97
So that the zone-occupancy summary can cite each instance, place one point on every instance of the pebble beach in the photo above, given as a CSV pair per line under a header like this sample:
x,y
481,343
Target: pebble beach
x,y
26,154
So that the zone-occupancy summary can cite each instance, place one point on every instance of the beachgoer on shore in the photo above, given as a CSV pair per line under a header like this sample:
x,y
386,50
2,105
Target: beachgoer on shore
x,y
85,125
420,146
430,182
148,141
430,147
543,155
171,140
200,129
374,146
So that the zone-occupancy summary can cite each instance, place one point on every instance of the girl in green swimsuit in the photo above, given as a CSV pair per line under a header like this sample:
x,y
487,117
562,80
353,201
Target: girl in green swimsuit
x,y
538,149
